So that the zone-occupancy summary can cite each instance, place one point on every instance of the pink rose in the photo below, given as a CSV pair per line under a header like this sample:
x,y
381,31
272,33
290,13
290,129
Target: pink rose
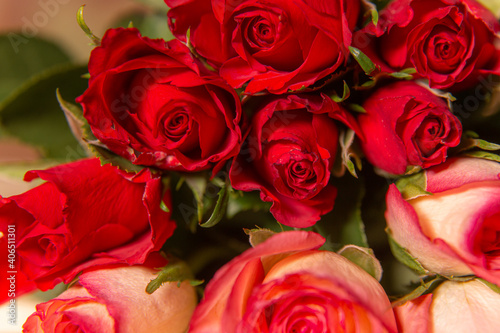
x,y
452,307
456,230
406,124
285,284
114,300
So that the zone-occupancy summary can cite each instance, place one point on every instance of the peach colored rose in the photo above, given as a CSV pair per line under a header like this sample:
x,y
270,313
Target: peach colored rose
x,y
456,230
115,300
456,307
285,284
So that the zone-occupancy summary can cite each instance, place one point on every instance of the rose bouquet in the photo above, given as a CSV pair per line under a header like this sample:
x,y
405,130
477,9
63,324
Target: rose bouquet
x,y
244,172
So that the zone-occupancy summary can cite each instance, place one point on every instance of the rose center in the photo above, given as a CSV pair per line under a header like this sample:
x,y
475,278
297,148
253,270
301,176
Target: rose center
x,y
176,124
429,135
262,33
490,236
54,247
444,49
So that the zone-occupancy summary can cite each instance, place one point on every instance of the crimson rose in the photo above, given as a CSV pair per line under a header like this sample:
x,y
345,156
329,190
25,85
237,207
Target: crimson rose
x,y
152,103
273,45
85,215
406,124
291,149
450,42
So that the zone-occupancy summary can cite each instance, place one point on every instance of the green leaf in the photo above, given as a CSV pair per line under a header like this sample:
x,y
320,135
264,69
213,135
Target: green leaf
x,y
364,258
356,107
18,63
33,114
401,75
424,288
490,285
197,182
413,186
348,151
108,157
96,41
366,64
258,236
176,271
370,12
345,94
220,207
244,202
483,154
404,256
353,231
76,121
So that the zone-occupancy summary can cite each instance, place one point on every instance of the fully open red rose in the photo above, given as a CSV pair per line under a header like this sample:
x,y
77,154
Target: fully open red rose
x,y
450,42
273,45
85,215
406,124
290,151
152,103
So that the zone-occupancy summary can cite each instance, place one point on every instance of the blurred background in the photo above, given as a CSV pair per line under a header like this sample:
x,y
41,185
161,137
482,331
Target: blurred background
x,y
42,48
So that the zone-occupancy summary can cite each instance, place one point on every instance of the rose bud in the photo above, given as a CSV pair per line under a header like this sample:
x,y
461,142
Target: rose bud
x,y
407,125
451,43
452,307
291,149
114,300
285,284
85,215
152,103
274,45
456,230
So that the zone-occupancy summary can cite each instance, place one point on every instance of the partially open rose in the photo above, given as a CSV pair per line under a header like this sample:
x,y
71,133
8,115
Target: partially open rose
x,y
406,124
456,230
452,43
286,285
271,45
114,300
289,155
85,215
452,307
151,102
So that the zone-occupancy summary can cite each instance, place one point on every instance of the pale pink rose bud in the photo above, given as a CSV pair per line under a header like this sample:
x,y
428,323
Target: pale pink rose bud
x,y
115,300
454,229
454,307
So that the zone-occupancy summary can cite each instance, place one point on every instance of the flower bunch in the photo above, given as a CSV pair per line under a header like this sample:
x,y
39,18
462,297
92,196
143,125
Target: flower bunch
x,y
274,116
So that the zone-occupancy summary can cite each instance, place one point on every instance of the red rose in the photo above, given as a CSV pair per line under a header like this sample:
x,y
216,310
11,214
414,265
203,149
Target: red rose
x,y
291,149
406,125
274,45
85,215
450,42
150,102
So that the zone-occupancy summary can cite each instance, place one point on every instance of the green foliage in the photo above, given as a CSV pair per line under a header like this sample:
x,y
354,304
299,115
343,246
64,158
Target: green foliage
x,y
364,258
413,186
33,115
17,63
401,254
176,271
